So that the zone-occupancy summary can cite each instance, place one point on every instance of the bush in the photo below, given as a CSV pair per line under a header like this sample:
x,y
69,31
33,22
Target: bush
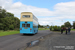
x,y
11,27
55,28
17,29
62,26
51,28
59,28
5,29
1,26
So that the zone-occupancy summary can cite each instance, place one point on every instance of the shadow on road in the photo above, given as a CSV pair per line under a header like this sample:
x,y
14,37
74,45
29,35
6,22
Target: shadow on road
x,y
27,34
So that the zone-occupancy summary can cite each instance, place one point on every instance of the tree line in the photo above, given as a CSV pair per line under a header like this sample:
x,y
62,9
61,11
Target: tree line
x,y
66,24
8,21
58,28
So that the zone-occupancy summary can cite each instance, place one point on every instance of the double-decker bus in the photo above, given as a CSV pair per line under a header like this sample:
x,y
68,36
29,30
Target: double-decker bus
x,y
28,23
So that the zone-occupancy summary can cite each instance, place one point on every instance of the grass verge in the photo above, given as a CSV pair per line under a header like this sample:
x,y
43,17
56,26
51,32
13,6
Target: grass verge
x,y
11,32
4,33
73,29
43,28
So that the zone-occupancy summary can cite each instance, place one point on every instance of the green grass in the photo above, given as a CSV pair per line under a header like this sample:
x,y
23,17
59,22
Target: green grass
x,y
72,29
4,33
11,32
43,29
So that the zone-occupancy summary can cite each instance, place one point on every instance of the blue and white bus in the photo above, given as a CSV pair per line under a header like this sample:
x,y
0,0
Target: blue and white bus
x,y
28,23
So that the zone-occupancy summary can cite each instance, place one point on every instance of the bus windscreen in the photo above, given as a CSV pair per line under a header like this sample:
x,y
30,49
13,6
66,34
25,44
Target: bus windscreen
x,y
26,16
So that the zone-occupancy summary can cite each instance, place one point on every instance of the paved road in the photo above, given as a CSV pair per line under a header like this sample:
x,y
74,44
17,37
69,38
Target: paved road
x,y
56,41
14,42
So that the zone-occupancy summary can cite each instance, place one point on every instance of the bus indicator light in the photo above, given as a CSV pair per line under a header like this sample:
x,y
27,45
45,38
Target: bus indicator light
x,y
30,28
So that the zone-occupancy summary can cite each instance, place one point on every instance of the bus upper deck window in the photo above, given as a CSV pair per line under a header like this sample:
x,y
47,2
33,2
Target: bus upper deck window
x,y
28,25
23,25
26,16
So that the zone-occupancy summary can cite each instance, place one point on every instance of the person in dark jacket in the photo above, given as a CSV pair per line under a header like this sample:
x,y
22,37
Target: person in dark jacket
x,y
66,30
61,30
69,29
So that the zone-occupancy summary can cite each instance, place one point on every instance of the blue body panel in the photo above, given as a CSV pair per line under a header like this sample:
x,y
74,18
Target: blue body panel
x,y
28,30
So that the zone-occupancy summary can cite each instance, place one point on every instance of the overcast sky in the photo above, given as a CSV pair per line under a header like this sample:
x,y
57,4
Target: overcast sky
x,y
48,12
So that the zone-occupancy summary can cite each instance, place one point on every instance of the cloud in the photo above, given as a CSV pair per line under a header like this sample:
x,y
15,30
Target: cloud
x,y
6,3
18,7
56,20
67,8
61,11
51,21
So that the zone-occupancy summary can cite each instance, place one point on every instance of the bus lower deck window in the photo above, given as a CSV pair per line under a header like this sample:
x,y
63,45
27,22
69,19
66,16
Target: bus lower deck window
x,y
28,25
23,25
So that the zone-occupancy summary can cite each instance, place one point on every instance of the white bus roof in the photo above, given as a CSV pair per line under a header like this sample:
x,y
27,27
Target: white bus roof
x,y
24,13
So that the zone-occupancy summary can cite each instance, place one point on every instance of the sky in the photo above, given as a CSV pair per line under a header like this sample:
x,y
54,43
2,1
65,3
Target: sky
x,y
48,12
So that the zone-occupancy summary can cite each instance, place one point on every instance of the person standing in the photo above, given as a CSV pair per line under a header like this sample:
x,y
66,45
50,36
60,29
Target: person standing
x,y
66,30
69,29
61,30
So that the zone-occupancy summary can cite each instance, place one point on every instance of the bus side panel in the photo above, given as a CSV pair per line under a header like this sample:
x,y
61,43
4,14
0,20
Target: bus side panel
x,y
28,30
35,27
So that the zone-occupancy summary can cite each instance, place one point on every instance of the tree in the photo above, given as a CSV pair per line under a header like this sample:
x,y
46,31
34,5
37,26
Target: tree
x,y
8,14
16,22
1,15
67,24
8,21
11,27
55,28
48,25
1,26
62,26
52,28
4,13
74,24
40,26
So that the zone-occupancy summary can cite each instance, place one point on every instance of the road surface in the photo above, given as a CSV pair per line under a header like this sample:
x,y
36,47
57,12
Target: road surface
x,y
17,41
56,41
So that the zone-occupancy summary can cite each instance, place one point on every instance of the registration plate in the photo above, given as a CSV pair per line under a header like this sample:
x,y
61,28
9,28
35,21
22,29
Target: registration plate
x,y
25,28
